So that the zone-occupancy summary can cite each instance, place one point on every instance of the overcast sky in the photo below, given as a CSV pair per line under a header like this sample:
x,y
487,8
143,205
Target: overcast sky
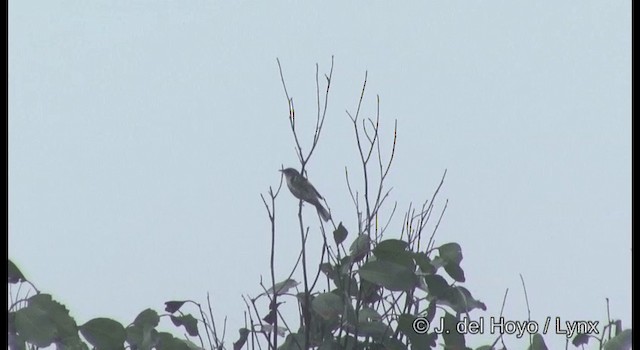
x,y
142,133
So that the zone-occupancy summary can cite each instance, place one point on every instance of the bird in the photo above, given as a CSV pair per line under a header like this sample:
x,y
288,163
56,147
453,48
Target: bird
x,y
302,189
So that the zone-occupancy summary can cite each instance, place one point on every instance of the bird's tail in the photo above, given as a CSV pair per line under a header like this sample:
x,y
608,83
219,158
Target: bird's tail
x,y
324,214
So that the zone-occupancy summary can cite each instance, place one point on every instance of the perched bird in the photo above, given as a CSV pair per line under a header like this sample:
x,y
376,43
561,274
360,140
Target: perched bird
x,y
302,189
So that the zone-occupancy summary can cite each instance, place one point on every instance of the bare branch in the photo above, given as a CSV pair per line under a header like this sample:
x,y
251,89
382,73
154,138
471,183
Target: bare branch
x,y
526,299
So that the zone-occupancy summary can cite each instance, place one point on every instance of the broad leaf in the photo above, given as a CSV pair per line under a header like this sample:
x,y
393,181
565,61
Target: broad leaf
x,y
360,247
244,334
283,287
173,306
147,317
622,341
390,275
44,321
451,253
14,274
537,343
189,323
104,333
455,271
340,234
328,305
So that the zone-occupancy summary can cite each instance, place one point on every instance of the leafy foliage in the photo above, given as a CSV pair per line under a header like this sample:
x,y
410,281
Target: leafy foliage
x,y
41,321
380,294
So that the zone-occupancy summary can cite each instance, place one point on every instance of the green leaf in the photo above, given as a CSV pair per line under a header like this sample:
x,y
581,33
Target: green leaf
x,y
72,343
14,273
321,329
293,341
418,340
283,287
134,335
142,336
622,341
344,266
340,234
44,321
618,324
191,345
328,305
404,259
147,317
580,339
59,314
438,262
244,334
375,329
329,271
104,333
370,324
166,341
395,250
34,326
452,338
437,286
537,343
370,291
360,247
189,323
347,285
455,271
349,342
15,342
393,344
460,300
390,275
451,253
423,261
11,322
367,314
173,306
330,344
390,246
350,314
271,316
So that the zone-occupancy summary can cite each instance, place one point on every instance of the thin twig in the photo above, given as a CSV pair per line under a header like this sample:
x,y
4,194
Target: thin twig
x,y
504,301
431,241
526,298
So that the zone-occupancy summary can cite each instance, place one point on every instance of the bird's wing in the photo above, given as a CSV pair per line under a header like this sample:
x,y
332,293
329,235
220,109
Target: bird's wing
x,y
314,190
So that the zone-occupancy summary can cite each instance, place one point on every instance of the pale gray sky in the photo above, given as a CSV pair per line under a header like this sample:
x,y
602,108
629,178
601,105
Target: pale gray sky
x,y
141,134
